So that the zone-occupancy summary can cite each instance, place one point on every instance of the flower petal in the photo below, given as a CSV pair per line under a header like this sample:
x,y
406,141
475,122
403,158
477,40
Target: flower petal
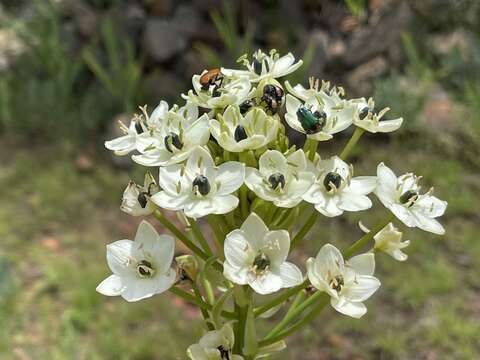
x,y
230,176
255,230
355,310
276,245
266,283
238,251
290,274
363,264
119,254
111,286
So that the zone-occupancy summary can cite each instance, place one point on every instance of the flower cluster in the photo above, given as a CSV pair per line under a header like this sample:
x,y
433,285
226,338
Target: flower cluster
x,y
224,157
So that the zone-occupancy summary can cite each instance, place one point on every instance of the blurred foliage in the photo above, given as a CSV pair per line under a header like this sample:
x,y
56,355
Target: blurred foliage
x,y
121,74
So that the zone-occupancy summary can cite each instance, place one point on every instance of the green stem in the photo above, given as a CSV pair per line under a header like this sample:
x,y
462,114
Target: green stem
x,y
205,314
310,148
184,239
244,204
280,299
357,134
322,302
360,243
297,301
305,229
291,315
219,235
199,235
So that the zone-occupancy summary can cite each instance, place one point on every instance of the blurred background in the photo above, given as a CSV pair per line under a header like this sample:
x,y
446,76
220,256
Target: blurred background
x,y
70,69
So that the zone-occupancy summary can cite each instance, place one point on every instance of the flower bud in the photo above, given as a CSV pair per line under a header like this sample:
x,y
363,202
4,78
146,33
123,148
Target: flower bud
x,y
188,267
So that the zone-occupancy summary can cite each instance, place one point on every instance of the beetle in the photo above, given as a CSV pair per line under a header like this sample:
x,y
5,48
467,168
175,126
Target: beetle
x,y
211,77
272,97
311,122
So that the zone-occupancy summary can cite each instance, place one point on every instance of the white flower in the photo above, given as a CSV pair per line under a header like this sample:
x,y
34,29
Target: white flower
x,y
282,180
236,133
199,187
219,92
136,198
141,268
349,283
129,142
319,115
389,241
173,134
402,196
215,345
265,66
368,120
335,190
256,256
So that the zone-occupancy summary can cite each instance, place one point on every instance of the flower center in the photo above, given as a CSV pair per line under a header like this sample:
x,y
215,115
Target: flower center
x,y
261,262
332,179
337,282
142,199
240,133
201,185
364,113
138,127
312,123
224,353
409,197
145,269
277,180
172,140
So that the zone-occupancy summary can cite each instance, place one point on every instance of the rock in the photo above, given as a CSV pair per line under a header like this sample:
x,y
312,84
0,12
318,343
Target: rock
x,y
159,7
162,39
438,111
359,80
165,86
376,38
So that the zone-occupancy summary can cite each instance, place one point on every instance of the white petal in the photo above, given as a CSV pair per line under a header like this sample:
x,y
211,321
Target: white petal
x,y
282,66
353,202
363,185
157,157
111,286
431,205
276,245
363,264
255,229
230,176
266,283
389,125
403,214
238,252
272,161
428,224
170,202
199,132
122,145
329,259
196,352
315,276
355,310
362,288
118,256
330,207
387,183
290,274
236,275
199,156
169,178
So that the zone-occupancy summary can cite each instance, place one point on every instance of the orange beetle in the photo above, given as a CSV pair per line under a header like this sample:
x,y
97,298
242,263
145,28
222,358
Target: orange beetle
x,y
211,77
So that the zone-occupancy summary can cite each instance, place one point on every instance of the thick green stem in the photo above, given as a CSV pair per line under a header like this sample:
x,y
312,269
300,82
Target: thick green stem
x,y
244,203
199,235
184,239
281,298
241,309
357,134
305,229
360,243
